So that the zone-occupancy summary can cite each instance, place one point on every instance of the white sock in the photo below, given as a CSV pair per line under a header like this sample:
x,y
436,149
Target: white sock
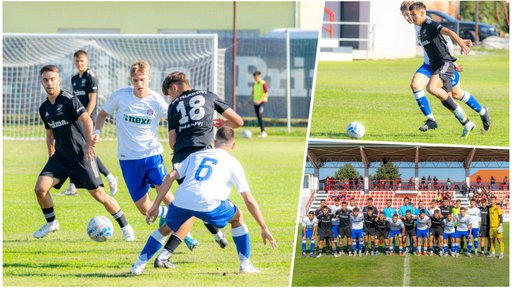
x,y
219,235
189,235
162,211
164,254
111,178
483,111
72,186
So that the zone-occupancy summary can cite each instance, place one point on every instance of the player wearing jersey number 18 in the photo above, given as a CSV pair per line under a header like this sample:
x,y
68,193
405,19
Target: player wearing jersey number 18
x,y
204,193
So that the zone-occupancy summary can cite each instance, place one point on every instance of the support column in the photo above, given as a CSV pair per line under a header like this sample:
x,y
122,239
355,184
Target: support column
x,y
417,169
467,165
366,165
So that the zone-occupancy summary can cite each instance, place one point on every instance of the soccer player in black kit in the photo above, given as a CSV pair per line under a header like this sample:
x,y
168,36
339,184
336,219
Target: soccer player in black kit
x,y
191,122
71,153
436,230
369,229
344,229
85,88
382,231
441,61
410,230
325,233
484,227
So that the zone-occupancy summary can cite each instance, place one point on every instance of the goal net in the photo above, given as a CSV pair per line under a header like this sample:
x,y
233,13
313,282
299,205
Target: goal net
x,y
110,57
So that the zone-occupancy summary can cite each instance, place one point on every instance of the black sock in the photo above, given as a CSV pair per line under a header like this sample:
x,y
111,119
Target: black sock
x,y
101,167
49,214
211,228
449,104
120,218
173,243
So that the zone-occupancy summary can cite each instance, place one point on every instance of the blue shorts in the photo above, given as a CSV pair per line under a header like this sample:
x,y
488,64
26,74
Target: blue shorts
x,y
218,217
475,232
459,234
309,234
140,174
357,233
448,235
425,70
422,233
393,233
335,230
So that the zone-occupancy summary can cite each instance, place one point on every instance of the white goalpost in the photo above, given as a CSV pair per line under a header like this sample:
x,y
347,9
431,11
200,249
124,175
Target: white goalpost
x,y
110,57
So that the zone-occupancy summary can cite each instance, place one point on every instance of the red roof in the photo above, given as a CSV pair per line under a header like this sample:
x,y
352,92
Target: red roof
x,y
486,175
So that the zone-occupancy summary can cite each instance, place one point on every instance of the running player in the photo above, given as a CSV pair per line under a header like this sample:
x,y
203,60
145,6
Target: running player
x,y
422,77
208,178
325,232
85,88
382,232
71,154
463,228
449,233
475,216
484,227
138,111
422,226
309,226
357,223
496,227
190,124
397,228
369,230
345,228
436,231
441,62
410,231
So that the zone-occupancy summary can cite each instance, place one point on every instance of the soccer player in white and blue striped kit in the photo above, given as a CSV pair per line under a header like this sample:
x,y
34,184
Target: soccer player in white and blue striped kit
x,y
463,228
476,217
209,175
422,226
309,226
449,233
357,223
397,228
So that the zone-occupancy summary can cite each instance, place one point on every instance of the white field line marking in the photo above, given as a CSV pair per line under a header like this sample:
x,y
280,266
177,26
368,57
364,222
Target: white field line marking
x,y
406,271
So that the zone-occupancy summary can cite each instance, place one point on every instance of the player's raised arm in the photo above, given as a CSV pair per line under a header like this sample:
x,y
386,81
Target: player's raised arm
x,y
255,211
464,48
50,142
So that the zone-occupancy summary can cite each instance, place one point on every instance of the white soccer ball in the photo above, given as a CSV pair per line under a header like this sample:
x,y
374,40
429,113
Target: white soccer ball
x,y
246,134
355,130
100,229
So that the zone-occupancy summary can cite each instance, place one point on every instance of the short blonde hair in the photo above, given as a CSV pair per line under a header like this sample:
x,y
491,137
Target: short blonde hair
x,y
405,6
139,66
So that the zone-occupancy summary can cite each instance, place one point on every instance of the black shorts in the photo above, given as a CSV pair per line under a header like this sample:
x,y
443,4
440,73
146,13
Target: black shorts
x,y
84,174
324,234
446,71
259,109
410,233
436,233
382,234
484,231
181,155
369,232
345,232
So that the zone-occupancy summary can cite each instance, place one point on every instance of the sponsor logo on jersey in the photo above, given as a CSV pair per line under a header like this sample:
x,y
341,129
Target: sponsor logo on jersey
x,y
79,92
59,109
150,112
83,82
137,120
57,124
195,124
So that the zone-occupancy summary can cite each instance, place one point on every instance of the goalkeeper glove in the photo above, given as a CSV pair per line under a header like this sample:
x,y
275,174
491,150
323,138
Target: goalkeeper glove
x,y
500,229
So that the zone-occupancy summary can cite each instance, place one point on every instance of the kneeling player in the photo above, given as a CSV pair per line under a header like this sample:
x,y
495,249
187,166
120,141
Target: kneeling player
x,y
325,231
357,222
410,231
422,226
345,228
369,231
382,232
397,228
309,225
449,234
463,228
209,175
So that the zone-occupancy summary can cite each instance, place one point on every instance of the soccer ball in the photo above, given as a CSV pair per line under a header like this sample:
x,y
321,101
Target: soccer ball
x,y
100,229
246,134
355,130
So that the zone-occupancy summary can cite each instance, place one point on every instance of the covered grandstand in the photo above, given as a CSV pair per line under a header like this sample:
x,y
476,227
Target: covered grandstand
x,y
331,153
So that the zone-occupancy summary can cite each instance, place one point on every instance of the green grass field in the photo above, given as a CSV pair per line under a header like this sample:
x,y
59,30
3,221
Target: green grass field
x,y
69,258
377,93
390,271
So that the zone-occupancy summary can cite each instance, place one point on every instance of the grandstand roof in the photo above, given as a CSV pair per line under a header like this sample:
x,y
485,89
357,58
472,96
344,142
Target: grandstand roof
x,y
354,151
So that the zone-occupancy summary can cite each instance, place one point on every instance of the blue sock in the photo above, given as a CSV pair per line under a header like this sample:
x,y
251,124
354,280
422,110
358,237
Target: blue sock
x,y
470,247
155,241
241,239
162,211
303,246
360,245
476,244
471,101
445,248
312,246
354,246
422,101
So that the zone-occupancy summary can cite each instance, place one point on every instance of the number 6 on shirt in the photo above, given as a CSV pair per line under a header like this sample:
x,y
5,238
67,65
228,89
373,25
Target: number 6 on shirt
x,y
204,165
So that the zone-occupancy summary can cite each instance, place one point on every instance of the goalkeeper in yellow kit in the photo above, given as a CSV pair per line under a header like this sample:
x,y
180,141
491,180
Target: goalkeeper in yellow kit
x,y
496,227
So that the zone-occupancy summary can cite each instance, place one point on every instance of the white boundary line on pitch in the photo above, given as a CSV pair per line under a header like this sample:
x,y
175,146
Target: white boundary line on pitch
x,y
407,275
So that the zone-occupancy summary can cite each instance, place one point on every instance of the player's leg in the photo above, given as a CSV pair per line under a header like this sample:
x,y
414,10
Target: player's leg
x,y
457,242
312,244
153,244
304,242
469,242
240,235
470,100
45,201
112,181
502,245
320,246
333,247
361,239
258,110
414,244
349,244
365,247
418,86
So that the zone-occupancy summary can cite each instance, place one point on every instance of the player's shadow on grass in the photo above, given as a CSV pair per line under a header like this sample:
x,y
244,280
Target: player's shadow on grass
x,y
73,275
